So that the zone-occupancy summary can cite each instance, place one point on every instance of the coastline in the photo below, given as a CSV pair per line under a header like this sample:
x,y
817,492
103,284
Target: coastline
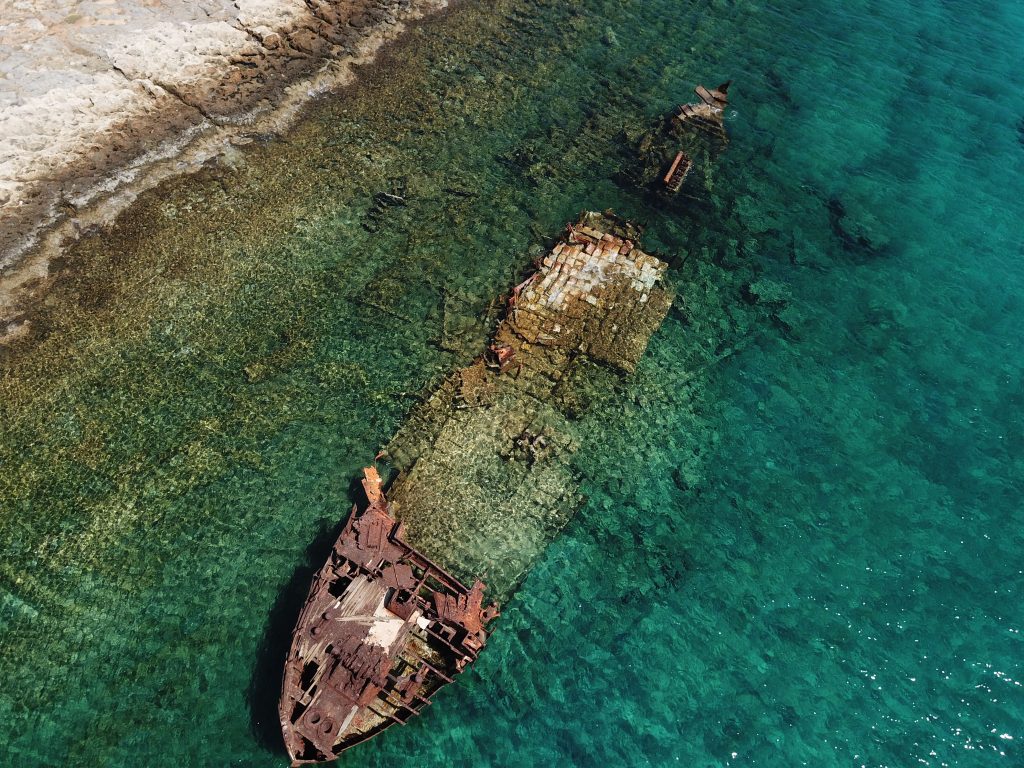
x,y
98,110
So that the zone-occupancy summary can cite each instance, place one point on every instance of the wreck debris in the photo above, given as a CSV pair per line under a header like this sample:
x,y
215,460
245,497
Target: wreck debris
x,y
708,115
382,630
504,357
678,172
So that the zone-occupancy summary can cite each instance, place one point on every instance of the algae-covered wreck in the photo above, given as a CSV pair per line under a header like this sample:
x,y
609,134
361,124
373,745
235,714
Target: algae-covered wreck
x,y
686,140
483,485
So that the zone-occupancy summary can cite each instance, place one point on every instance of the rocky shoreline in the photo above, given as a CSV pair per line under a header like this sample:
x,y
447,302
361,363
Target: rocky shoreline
x,y
100,101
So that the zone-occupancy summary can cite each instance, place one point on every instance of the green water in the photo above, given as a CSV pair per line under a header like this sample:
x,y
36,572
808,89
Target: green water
x,y
802,539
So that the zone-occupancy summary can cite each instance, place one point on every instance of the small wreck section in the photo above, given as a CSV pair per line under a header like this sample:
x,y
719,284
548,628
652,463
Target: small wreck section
x,y
684,144
485,474
382,630
707,116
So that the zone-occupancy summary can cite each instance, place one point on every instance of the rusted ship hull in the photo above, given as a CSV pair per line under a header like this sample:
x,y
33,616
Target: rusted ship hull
x,y
382,630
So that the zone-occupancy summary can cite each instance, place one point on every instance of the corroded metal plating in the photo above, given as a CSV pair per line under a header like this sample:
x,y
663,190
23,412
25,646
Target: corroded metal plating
x,y
382,630
678,172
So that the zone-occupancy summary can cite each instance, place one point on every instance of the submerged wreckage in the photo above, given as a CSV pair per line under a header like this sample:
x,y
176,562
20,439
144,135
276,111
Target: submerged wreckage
x,y
484,482
388,621
688,138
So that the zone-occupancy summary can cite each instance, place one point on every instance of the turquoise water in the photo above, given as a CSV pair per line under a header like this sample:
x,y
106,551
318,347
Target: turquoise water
x,y
802,539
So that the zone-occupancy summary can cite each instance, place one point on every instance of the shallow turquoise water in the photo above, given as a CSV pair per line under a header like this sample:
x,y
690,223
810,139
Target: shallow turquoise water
x,y
806,553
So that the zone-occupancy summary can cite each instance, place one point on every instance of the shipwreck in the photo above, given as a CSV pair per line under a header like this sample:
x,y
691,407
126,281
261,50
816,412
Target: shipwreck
x,y
484,482
483,474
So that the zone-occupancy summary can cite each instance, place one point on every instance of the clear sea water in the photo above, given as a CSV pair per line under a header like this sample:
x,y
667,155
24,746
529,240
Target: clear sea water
x,y
802,543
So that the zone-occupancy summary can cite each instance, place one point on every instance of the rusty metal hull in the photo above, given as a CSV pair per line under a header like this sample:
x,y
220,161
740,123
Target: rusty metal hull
x,y
381,631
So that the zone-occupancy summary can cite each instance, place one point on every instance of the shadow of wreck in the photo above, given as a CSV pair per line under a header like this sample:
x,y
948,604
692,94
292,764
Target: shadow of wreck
x,y
265,684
